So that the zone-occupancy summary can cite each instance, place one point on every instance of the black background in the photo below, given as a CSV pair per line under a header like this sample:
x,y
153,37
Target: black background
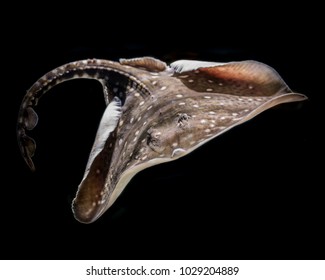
x,y
256,192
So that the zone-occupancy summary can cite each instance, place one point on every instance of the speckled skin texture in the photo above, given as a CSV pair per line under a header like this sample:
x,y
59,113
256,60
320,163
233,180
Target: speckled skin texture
x,y
162,113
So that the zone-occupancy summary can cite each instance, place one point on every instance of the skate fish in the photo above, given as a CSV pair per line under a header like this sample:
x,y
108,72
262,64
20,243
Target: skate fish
x,y
155,113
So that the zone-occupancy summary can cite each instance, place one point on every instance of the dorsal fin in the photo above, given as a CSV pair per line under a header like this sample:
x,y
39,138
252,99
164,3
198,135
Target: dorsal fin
x,y
30,118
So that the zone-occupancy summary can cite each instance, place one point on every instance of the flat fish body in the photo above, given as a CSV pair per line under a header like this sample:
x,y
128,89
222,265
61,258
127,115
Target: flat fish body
x,y
155,113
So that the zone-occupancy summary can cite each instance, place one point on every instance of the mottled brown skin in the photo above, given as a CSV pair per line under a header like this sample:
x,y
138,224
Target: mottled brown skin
x,y
93,184
165,114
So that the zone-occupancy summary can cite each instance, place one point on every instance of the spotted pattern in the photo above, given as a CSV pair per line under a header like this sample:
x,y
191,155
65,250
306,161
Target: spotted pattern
x,y
161,113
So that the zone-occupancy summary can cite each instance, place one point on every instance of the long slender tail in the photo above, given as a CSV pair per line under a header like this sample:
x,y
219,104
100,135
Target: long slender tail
x,y
110,74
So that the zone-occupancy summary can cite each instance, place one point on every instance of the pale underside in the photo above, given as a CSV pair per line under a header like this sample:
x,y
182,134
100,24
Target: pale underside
x,y
155,113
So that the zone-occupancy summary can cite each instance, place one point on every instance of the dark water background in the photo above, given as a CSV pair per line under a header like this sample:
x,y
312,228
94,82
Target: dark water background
x,y
256,192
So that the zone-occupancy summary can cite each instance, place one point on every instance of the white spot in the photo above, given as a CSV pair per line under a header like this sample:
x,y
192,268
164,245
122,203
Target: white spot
x,y
154,74
234,114
121,123
161,155
115,90
93,204
163,88
207,97
222,118
221,103
137,132
259,99
181,104
137,94
132,119
196,71
209,89
141,103
192,142
135,139
97,171
191,81
207,130
179,95
123,154
250,87
211,113
139,118
210,81
120,141
144,123
126,142
196,106
240,99
141,150
220,84
149,108
184,76
246,110
143,140
250,99
154,82
144,157
213,121
174,145
212,125
203,121
158,133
